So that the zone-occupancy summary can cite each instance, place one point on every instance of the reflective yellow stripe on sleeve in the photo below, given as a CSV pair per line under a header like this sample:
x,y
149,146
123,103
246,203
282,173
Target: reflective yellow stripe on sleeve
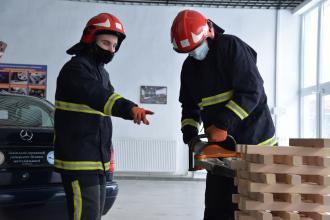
x,y
212,100
269,142
110,103
69,106
77,201
240,112
80,165
189,121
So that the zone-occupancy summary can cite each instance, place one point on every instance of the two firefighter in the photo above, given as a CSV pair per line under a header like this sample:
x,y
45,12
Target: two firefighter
x,y
220,87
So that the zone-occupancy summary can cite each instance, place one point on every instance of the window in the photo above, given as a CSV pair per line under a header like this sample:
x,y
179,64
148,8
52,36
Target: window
x,y
310,48
325,48
326,116
315,84
24,111
309,108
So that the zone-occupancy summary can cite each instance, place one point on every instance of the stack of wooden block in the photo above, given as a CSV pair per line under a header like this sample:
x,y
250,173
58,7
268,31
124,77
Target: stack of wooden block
x,y
289,183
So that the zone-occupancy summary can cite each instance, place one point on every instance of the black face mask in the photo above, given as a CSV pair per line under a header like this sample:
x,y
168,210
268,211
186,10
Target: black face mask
x,y
101,55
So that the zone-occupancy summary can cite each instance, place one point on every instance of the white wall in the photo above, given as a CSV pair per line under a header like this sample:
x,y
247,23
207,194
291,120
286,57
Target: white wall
x,y
39,32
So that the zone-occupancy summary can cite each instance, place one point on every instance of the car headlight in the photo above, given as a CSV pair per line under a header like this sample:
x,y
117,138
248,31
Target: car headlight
x,y
2,158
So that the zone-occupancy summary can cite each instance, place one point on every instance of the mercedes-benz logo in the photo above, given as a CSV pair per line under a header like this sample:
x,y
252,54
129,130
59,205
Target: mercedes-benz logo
x,y
26,135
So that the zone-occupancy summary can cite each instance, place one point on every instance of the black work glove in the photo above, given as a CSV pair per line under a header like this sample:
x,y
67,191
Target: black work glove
x,y
189,133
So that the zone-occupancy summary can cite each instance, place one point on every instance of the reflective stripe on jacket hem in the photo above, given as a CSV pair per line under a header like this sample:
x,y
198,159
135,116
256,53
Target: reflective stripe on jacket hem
x,y
77,200
270,142
74,107
216,99
110,103
81,165
189,121
238,110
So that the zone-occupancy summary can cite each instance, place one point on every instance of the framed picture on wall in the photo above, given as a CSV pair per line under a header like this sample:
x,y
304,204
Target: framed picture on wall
x,y
153,94
24,79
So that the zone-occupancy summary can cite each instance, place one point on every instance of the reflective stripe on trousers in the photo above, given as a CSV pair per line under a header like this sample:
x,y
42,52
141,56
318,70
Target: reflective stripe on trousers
x,y
77,201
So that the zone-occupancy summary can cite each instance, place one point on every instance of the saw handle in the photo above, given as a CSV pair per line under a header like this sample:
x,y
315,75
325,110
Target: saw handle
x,y
228,144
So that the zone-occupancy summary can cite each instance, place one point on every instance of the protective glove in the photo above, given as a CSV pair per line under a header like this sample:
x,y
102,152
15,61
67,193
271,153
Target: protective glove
x,y
188,133
215,134
140,114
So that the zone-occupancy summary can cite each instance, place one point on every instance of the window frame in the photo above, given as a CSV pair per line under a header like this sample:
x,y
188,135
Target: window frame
x,y
320,89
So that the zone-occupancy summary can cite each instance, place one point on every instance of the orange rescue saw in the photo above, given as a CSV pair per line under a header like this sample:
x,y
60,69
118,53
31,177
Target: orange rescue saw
x,y
215,157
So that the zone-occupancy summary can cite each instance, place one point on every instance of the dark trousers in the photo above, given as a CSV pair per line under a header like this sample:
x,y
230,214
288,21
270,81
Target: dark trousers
x,y
218,198
85,195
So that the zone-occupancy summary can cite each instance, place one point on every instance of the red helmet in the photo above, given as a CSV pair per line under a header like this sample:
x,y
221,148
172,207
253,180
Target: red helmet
x,y
189,29
103,23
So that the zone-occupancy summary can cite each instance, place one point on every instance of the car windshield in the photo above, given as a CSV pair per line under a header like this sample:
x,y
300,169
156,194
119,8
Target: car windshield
x,y
25,111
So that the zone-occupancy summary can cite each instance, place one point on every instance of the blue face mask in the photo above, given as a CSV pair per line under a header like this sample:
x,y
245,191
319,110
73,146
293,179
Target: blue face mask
x,y
200,52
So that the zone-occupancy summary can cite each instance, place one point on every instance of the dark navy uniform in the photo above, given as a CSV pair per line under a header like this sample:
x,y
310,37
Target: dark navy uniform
x,y
85,100
226,90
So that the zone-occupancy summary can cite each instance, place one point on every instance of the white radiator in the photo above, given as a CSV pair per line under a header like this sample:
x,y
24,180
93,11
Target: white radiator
x,y
145,155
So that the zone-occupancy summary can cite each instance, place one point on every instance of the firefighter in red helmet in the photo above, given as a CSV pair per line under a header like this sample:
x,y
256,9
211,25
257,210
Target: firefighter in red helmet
x,y
84,102
222,88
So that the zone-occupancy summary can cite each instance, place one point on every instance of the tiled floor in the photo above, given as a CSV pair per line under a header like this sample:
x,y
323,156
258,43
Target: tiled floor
x,y
158,200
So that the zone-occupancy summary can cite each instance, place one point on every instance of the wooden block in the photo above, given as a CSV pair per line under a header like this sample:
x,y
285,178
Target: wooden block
x,y
317,161
287,215
316,179
288,160
243,174
266,159
324,180
263,215
316,198
261,197
283,150
268,178
246,186
246,204
323,161
307,160
296,161
252,158
280,168
317,216
235,198
310,142
265,197
285,197
238,165
239,215
291,179
243,187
